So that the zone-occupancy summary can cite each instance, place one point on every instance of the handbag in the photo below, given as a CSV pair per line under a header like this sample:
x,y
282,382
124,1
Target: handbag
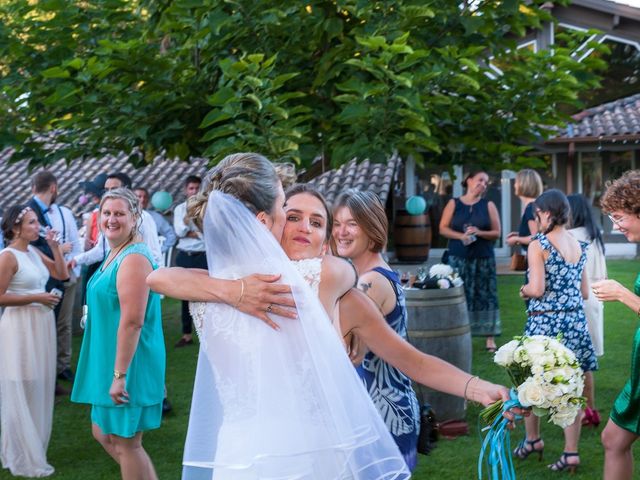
x,y
518,262
428,430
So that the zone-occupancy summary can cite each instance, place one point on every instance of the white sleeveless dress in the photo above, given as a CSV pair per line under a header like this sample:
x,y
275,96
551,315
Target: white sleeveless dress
x,y
27,372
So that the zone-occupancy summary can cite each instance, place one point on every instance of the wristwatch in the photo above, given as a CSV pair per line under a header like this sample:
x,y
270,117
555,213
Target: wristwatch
x,y
118,374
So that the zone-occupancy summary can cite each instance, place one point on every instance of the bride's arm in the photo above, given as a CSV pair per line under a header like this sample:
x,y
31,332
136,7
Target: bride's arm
x,y
361,316
252,294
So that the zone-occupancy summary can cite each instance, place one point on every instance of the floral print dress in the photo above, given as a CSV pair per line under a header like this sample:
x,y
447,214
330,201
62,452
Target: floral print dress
x,y
560,310
389,388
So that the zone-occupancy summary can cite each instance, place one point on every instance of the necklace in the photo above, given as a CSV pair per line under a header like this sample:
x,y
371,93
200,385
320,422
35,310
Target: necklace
x,y
113,257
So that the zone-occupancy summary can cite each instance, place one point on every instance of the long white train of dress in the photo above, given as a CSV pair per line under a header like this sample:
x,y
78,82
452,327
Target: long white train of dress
x,y
27,374
275,405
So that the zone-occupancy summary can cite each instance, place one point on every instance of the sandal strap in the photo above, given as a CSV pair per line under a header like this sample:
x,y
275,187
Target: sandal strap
x,y
533,442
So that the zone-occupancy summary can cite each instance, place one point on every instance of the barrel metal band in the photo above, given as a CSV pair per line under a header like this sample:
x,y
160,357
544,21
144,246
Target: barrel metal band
x,y
445,302
445,332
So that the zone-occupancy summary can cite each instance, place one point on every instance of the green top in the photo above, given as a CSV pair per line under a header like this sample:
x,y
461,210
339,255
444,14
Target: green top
x,y
636,287
145,376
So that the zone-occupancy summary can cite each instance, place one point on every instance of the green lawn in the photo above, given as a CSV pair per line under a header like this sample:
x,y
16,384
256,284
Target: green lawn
x,y
75,454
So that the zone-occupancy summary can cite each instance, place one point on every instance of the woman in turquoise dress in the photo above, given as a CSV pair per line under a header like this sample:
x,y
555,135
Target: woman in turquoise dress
x,y
122,360
622,202
555,290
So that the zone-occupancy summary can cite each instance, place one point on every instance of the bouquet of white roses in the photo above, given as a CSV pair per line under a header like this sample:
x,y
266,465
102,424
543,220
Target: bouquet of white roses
x,y
546,376
445,276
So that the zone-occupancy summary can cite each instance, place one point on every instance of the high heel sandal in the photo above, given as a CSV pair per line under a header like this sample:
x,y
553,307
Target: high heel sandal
x,y
523,451
591,417
561,465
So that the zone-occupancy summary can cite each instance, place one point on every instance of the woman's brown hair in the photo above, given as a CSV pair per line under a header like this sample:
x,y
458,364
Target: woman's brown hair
x,y
369,214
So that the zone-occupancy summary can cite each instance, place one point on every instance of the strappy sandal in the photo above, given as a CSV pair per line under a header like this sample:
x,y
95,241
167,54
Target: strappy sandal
x,y
561,465
527,447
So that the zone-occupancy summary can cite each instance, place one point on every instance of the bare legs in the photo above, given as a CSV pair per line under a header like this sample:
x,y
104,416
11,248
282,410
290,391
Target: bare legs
x,y
134,462
618,457
491,344
590,390
571,437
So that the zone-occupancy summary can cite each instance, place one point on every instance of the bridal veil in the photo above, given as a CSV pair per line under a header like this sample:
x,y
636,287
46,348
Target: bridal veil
x,y
276,405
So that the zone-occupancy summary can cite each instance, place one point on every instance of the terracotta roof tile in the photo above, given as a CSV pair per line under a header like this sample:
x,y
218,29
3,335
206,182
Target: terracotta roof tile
x,y
620,117
162,174
375,177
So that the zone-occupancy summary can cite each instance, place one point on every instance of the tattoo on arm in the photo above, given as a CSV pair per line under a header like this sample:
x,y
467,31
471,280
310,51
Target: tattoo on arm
x,y
365,286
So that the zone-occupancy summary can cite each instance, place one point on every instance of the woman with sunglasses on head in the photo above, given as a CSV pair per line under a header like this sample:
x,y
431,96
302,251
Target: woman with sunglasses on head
x,y
472,225
555,290
622,202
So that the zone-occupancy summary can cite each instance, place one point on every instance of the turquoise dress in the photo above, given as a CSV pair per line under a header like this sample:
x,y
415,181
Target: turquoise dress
x,y
626,408
145,376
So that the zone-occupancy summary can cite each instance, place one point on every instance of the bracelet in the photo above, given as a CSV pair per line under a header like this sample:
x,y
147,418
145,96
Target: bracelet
x,y
241,293
466,386
117,374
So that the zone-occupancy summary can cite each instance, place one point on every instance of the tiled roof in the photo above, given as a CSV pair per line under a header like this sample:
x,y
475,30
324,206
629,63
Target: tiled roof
x,y
168,175
618,118
376,177
162,174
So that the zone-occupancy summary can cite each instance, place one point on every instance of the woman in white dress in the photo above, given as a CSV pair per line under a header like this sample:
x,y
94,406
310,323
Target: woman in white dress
x,y
27,344
585,229
267,403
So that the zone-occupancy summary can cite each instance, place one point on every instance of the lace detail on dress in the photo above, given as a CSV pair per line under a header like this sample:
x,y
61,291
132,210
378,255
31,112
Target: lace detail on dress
x,y
310,269
197,309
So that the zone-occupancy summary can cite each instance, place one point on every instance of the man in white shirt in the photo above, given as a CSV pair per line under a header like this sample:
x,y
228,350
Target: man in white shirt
x,y
191,251
63,222
148,230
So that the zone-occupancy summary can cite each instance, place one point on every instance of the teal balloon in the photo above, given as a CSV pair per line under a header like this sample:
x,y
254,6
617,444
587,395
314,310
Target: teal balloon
x,y
161,200
415,205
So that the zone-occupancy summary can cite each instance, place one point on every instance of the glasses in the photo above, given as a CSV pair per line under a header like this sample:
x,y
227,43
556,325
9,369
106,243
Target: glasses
x,y
617,221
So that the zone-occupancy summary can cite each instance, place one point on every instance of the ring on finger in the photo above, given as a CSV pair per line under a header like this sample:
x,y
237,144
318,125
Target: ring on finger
x,y
269,308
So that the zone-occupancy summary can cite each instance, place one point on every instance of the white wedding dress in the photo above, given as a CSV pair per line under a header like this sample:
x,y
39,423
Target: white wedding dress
x,y
276,405
27,372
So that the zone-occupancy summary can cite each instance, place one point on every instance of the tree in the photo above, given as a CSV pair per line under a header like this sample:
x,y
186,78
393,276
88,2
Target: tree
x,y
352,78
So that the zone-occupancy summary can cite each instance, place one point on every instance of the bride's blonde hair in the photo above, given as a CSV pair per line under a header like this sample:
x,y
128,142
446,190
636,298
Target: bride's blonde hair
x,y
249,177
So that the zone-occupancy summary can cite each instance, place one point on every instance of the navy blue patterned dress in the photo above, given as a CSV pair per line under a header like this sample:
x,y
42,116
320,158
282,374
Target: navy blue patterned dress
x,y
389,388
560,309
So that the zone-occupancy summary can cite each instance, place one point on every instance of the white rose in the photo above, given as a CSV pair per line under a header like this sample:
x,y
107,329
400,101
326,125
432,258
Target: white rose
x,y
457,282
535,348
504,355
565,416
444,283
530,393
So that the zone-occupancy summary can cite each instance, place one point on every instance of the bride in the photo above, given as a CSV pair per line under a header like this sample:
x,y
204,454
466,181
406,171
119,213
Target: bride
x,y
267,403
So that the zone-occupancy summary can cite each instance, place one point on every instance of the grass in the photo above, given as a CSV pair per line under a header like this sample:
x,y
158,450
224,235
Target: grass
x,y
76,456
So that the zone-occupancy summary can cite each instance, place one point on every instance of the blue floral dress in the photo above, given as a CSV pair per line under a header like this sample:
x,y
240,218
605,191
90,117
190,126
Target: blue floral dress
x,y
389,388
560,309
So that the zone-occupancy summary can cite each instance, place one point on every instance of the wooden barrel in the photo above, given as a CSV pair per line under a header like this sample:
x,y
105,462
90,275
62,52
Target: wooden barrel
x,y
411,237
439,325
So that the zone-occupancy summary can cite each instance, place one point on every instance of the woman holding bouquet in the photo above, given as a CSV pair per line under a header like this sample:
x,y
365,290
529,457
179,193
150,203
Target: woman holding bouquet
x,y
622,202
556,287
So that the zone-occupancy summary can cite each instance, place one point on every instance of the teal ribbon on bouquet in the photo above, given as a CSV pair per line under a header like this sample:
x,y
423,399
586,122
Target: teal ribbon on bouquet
x,y
496,446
